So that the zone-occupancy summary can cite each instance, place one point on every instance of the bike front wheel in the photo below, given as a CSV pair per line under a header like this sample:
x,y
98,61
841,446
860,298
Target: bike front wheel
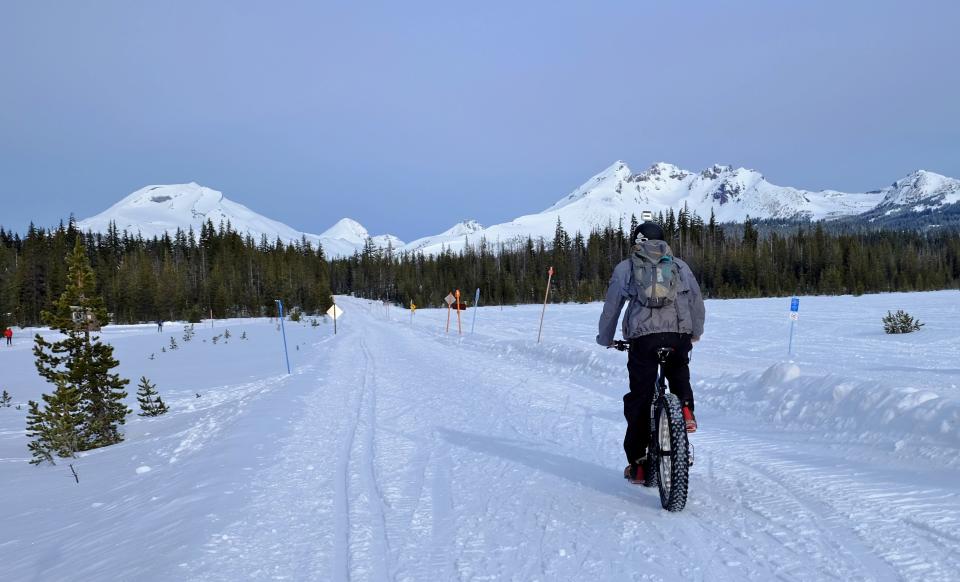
x,y
671,455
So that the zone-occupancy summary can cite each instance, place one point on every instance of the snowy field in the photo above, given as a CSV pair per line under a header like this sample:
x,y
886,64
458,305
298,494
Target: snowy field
x,y
398,452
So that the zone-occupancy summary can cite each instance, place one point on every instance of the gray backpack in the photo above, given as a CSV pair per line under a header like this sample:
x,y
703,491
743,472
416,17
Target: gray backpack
x,y
655,274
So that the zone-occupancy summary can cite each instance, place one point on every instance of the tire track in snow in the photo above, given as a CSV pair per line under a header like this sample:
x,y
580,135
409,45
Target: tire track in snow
x,y
341,494
842,506
362,549
379,544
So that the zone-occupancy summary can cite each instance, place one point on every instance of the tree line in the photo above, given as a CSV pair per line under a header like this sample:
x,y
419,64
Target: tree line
x,y
183,276
730,261
218,271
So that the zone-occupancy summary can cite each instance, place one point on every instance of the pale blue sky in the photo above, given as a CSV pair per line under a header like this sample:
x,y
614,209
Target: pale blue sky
x,y
409,116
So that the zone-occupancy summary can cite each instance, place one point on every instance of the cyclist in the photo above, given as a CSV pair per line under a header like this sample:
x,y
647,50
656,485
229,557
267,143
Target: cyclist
x,y
674,320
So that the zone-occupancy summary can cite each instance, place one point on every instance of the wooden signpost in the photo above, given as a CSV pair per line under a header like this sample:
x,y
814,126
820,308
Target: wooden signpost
x,y
334,312
449,299
545,296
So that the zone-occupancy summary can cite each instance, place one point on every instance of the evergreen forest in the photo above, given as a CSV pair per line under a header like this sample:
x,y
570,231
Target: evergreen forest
x,y
218,271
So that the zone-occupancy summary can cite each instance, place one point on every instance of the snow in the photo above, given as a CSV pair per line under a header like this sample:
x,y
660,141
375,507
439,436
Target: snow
x,y
398,451
155,210
453,236
610,197
614,195
921,190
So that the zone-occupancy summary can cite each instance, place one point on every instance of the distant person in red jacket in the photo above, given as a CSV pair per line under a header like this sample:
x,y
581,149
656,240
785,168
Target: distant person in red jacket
x,y
8,333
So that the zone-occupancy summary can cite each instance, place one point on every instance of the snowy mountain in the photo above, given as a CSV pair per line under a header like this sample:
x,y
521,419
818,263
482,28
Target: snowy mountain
x,y
154,210
612,196
348,235
455,235
732,194
919,191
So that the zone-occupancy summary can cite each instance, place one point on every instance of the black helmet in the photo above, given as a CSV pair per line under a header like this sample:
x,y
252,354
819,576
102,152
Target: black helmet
x,y
648,231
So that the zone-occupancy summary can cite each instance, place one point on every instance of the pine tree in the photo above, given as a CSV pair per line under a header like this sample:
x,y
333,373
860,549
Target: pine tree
x,y
5,399
55,430
81,364
150,402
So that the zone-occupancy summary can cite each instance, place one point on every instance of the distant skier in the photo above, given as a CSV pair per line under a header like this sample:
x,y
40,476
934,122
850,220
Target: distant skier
x,y
666,310
8,333
159,326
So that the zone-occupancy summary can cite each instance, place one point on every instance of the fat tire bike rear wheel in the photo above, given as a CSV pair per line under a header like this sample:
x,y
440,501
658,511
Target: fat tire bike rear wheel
x,y
670,452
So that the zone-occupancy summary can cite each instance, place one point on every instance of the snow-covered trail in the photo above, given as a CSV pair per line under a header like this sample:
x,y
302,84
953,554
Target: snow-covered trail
x,y
415,455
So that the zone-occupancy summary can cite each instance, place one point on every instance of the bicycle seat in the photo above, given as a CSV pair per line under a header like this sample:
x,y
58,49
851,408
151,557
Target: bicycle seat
x,y
664,353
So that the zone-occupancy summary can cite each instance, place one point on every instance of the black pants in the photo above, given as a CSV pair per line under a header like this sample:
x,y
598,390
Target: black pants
x,y
9,341
642,366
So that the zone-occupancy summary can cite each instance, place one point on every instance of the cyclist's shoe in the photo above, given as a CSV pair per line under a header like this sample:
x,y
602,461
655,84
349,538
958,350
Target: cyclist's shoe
x,y
634,473
690,419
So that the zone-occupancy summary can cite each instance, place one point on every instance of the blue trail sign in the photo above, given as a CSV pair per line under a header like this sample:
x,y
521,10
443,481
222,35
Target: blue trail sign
x,y
794,316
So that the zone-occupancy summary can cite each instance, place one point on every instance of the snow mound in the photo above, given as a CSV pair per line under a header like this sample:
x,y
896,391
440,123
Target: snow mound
x,y
780,393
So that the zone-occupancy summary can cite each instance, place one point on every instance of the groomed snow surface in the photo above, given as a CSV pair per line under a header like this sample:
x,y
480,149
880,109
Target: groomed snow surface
x,y
396,451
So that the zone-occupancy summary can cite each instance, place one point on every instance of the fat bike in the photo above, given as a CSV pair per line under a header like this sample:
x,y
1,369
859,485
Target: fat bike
x,y
670,454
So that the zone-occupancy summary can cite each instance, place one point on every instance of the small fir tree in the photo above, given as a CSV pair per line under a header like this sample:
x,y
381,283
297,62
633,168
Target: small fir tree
x,y
173,343
5,399
150,402
55,430
900,322
81,363
226,335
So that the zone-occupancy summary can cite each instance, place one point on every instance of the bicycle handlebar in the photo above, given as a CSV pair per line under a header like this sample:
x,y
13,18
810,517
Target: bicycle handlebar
x,y
619,345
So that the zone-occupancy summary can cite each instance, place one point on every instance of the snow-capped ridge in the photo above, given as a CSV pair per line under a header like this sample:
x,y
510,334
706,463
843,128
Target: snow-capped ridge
x,y
157,209
610,197
729,193
922,188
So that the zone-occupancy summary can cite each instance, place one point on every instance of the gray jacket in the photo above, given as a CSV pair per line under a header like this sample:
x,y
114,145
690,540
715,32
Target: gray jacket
x,y
685,315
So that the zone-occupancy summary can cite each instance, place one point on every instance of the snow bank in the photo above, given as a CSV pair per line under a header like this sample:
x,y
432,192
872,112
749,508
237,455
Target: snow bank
x,y
784,395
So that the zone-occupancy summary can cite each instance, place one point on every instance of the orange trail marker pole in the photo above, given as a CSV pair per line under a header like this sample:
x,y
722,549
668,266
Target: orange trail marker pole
x,y
545,296
459,329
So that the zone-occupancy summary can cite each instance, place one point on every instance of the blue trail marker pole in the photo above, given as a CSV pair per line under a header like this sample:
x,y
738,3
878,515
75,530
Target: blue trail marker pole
x,y
794,316
284,330
476,304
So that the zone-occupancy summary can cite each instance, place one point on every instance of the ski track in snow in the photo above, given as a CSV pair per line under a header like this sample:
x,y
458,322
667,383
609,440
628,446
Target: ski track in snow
x,y
404,453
